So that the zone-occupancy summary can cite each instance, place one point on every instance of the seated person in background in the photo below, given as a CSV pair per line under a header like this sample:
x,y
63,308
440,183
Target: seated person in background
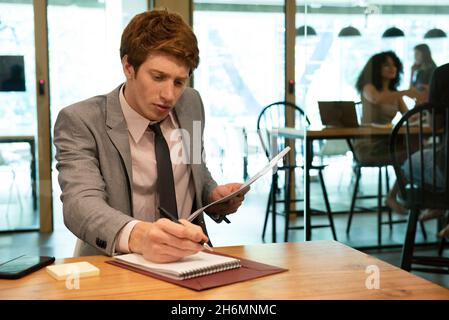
x,y
421,72
381,101
438,94
120,157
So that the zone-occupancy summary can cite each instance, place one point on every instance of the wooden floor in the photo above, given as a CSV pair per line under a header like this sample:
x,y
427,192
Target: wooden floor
x,y
246,226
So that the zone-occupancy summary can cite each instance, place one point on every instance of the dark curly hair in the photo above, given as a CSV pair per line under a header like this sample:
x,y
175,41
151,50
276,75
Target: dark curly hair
x,y
372,72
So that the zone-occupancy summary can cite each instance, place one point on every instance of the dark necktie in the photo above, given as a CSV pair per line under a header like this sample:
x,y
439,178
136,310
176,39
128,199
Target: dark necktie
x,y
165,180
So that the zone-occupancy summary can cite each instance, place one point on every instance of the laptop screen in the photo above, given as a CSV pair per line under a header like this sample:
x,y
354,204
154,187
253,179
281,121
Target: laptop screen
x,y
338,114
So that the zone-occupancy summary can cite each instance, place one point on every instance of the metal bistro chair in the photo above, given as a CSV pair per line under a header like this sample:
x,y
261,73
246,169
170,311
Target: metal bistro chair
x,y
274,116
424,177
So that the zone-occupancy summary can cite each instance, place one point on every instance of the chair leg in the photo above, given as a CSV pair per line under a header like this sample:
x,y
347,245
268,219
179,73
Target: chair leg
x,y
443,240
273,207
328,207
423,230
267,213
407,250
379,208
387,180
354,196
287,203
441,247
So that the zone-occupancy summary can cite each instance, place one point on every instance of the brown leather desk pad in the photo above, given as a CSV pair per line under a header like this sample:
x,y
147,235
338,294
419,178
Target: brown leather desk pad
x,y
249,270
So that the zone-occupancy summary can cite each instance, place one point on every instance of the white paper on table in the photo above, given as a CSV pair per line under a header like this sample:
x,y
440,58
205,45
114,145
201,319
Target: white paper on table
x,y
253,179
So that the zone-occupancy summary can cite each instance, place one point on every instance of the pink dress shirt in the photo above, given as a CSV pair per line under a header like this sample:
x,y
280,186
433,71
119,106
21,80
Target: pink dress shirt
x,y
144,172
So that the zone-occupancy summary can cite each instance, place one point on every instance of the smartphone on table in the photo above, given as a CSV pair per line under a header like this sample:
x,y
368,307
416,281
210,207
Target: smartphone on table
x,y
23,265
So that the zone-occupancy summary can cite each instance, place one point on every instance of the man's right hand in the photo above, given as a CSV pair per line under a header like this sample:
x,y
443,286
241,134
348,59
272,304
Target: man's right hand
x,y
166,241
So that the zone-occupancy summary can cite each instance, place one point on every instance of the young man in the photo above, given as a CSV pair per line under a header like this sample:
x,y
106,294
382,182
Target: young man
x,y
438,94
118,161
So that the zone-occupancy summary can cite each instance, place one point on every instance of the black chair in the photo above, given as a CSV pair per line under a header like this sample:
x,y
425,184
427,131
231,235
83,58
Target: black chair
x,y
357,167
380,208
423,181
274,116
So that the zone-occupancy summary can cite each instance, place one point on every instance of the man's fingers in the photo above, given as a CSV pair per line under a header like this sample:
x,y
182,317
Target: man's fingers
x,y
229,207
160,237
245,190
162,253
184,230
170,250
163,245
194,232
159,257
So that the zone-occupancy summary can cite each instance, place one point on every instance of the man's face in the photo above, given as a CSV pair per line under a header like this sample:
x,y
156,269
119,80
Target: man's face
x,y
156,87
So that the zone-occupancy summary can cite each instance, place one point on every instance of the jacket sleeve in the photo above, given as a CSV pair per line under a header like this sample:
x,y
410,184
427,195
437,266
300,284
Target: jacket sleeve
x,y
85,208
208,182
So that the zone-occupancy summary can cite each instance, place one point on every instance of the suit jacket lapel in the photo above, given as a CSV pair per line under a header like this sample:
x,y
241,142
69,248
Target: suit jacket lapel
x,y
185,120
118,132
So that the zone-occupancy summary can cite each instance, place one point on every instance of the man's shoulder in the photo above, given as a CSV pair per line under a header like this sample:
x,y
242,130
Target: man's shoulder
x,y
443,69
189,96
92,107
88,106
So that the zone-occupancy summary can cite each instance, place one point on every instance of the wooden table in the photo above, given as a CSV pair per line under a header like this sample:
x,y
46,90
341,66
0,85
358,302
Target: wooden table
x,y
312,134
317,270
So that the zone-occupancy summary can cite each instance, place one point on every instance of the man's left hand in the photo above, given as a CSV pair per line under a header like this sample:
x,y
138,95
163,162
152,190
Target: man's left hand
x,y
229,206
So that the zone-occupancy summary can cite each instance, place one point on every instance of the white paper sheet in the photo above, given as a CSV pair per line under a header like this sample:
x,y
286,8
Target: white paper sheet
x,y
261,173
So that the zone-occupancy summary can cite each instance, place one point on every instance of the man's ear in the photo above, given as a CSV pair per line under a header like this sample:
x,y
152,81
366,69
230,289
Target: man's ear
x,y
128,69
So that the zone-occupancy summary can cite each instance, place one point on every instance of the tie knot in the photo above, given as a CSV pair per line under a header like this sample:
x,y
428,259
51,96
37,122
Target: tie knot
x,y
156,128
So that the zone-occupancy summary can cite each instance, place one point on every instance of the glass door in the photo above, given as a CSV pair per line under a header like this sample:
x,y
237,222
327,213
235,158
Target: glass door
x,y
334,42
84,61
18,118
242,69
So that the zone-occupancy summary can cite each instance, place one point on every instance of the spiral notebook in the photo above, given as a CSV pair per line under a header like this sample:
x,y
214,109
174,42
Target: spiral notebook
x,y
193,266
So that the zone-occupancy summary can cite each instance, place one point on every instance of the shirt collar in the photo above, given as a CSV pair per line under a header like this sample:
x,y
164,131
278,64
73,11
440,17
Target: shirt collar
x,y
137,124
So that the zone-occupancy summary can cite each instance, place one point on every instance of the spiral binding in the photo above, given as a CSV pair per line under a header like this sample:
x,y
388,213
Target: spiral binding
x,y
193,273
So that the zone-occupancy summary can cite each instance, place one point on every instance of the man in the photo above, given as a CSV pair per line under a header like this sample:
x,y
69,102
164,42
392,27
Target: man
x,y
439,85
118,161
438,94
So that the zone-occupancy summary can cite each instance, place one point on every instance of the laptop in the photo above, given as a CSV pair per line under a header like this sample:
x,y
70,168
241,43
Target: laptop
x,y
338,114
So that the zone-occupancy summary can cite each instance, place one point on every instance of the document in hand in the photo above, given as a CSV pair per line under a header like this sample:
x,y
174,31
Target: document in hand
x,y
261,173
196,265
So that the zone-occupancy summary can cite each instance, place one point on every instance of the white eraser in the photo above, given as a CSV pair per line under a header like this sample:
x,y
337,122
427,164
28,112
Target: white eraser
x,y
77,269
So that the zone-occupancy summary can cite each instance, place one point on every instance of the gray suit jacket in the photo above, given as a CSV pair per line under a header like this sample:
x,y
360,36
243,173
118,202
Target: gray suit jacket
x,y
95,171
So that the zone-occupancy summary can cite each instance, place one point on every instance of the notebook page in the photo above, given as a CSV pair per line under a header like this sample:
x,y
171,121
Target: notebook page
x,y
194,265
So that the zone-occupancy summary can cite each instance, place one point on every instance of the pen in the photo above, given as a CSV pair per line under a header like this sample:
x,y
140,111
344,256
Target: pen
x,y
226,220
169,216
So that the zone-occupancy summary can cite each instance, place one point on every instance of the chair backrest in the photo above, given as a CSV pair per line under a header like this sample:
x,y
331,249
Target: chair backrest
x,y
421,137
273,116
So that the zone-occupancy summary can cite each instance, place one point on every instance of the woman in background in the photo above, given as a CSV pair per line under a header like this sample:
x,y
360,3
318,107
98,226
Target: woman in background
x,y
422,71
381,100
